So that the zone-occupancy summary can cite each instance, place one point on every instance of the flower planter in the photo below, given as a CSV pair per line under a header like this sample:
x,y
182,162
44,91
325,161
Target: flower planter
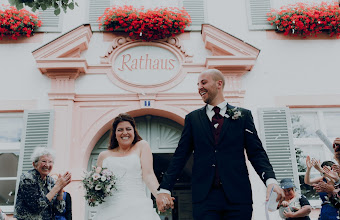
x,y
16,23
148,25
305,20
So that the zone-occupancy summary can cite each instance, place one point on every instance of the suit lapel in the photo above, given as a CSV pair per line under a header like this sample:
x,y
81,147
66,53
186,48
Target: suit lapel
x,y
205,123
226,124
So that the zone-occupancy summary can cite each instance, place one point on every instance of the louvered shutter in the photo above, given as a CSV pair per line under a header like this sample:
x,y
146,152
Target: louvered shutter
x,y
257,14
50,22
37,131
196,10
277,139
96,9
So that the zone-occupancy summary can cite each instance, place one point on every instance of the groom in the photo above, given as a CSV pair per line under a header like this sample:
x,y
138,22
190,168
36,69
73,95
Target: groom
x,y
217,135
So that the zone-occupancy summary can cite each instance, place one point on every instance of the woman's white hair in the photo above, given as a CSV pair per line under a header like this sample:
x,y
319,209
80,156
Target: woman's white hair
x,y
41,151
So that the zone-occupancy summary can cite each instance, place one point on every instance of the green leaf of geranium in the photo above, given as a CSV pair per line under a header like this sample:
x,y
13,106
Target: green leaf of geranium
x,y
71,5
19,6
57,11
43,7
64,7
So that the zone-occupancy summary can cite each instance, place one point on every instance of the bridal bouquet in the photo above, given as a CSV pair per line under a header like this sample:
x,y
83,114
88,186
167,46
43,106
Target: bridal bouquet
x,y
98,183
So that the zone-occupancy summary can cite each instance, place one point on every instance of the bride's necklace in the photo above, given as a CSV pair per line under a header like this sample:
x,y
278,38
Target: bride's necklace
x,y
123,151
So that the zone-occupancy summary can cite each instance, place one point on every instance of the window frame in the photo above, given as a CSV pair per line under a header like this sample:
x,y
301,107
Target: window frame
x,y
9,147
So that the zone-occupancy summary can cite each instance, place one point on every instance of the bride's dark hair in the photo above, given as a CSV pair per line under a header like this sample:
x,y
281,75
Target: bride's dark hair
x,y
120,118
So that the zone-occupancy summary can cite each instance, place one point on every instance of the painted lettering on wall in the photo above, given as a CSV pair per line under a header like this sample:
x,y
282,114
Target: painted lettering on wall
x,y
145,62
146,65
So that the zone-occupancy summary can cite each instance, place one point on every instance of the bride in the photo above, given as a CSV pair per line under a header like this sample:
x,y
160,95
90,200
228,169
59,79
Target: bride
x,y
130,159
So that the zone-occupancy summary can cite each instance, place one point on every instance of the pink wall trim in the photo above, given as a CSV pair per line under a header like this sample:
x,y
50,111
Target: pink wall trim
x,y
75,40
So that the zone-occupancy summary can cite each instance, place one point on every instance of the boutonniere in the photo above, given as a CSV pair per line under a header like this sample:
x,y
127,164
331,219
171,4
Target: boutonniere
x,y
234,113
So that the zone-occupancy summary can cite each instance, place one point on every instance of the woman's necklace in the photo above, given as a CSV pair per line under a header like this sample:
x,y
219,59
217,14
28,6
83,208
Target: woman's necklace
x,y
123,151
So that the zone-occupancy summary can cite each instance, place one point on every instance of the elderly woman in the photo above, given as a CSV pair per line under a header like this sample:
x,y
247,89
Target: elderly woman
x,y
39,197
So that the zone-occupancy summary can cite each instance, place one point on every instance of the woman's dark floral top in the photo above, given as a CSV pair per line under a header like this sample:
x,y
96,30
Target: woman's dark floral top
x,y
32,203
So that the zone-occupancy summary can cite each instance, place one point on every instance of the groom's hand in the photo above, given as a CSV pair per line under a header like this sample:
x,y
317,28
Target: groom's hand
x,y
164,201
278,190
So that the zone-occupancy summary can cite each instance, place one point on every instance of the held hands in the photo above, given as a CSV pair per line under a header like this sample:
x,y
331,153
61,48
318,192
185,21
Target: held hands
x,y
164,201
278,190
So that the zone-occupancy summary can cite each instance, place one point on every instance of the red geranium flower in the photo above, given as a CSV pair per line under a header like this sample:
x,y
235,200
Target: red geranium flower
x,y
151,24
14,22
307,19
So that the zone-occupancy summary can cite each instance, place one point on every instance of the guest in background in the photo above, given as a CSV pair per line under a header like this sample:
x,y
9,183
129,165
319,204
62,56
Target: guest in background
x,y
333,190
295,206
328,212
38,196
67,213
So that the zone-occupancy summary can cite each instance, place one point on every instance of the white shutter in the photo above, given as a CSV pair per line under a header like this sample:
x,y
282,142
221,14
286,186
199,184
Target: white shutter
x,y
196,10
96,9
277,139
257,14
37,131
50,22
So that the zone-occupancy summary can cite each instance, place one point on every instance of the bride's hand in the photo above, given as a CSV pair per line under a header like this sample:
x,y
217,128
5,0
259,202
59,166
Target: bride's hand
x,y
164,201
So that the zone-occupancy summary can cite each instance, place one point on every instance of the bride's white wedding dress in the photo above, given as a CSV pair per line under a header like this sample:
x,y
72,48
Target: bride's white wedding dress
x,y
129,201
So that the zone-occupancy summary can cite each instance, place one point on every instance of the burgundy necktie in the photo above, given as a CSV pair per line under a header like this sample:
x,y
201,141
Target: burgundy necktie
x,y
217,122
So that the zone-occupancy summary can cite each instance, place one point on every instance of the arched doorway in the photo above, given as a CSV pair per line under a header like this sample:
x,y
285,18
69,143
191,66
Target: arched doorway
x,y
163,135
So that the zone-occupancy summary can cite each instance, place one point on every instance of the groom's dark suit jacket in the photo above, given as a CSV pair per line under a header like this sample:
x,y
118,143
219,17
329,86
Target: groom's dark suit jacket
x,y
236,136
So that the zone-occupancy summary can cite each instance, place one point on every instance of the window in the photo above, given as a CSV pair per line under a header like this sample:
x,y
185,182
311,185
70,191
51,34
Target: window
x,y
196,9
50,22
304,124
11,126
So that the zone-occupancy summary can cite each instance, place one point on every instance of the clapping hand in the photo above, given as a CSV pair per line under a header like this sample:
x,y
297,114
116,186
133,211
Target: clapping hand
x,y
308,163
324,187
330,175
316,165
63,180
